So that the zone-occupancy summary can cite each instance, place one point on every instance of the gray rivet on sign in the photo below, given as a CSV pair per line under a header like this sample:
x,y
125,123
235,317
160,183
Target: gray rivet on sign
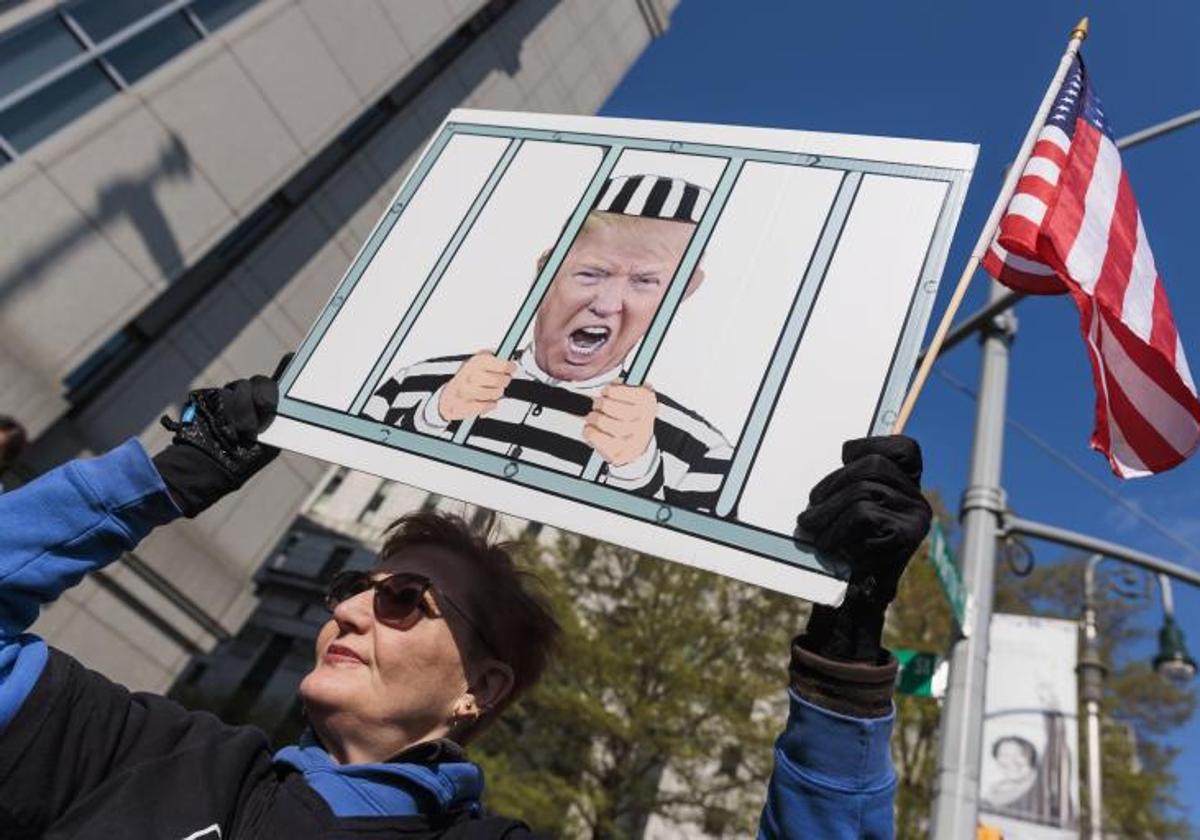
x,y
663,514
889,417
511,468
556,135
384,434
676,146
930,286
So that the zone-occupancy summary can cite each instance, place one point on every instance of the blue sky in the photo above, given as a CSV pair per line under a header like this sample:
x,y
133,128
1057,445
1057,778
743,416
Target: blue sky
x,y
975,72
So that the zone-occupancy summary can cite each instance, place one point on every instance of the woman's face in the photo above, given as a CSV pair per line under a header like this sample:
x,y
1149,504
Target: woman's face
x,y
374,682
1013,760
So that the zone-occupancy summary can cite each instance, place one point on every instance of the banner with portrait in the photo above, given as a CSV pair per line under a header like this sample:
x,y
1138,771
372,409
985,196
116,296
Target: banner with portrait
x,y
1029,781
656,334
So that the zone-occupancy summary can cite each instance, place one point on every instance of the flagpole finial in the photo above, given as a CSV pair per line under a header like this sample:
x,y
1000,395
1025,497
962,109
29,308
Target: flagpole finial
x,y
1080,31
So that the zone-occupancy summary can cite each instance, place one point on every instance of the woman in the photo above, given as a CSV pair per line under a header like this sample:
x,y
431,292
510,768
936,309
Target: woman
x,y
418,657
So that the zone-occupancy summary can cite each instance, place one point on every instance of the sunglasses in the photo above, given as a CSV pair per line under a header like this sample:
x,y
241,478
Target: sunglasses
x,y
399,599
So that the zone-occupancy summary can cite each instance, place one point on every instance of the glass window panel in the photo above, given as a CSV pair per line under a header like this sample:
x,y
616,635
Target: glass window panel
x,y
54,106
104,18
34,50
217,13
157,45
93,363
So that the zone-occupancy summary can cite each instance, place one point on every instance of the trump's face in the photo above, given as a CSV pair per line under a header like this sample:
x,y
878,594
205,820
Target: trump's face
x,y
606,292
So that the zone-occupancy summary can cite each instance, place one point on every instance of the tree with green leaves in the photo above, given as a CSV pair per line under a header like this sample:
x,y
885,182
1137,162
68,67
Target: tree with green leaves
x,y
1139,708
665,700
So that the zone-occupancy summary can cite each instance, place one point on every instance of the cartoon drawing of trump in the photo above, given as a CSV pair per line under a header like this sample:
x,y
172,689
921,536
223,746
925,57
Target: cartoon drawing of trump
x,y
563,396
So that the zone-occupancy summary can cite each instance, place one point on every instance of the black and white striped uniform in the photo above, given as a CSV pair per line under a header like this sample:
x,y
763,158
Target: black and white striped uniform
x,y
653,197
540,420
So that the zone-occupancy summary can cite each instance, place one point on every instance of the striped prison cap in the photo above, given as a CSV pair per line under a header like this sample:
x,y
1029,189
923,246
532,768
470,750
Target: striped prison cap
x,y
654,197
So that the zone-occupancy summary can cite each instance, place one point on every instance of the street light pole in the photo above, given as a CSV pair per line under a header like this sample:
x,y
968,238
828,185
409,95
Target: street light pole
x,y
1091,672
956,805
1091,667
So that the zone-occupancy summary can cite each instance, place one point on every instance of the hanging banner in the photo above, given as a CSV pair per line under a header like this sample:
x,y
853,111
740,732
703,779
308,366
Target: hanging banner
x,y
1029,781
656,334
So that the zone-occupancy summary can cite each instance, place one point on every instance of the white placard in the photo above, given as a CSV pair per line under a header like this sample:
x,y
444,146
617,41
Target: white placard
x,y
751,297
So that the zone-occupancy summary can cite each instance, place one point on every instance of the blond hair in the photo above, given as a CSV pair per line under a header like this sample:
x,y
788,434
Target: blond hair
x,y
602,218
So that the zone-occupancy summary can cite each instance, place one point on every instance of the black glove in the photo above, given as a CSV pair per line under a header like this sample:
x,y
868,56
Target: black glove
x,y
871,514
215,449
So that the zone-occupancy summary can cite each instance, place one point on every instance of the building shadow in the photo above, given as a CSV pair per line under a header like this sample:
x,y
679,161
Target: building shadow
x,y
131,196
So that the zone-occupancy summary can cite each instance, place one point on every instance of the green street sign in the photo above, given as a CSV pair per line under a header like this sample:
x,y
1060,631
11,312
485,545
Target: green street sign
x,y
916,673
948,576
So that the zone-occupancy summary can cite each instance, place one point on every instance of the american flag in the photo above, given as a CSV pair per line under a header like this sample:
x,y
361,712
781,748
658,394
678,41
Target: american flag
x,y
1073,227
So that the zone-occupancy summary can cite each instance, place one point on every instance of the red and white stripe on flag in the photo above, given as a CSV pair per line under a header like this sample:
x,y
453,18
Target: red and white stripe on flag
x,y
1073,227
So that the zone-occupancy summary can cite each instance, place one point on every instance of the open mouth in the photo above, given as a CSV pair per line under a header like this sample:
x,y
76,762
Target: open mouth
x,y
586,341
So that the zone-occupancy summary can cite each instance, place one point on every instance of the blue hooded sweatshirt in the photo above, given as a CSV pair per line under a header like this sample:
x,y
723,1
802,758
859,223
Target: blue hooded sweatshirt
x,y
833,775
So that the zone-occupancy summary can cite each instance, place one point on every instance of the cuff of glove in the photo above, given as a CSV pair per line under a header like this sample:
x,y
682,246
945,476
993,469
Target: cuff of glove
x,y
856,689
852,632
194,480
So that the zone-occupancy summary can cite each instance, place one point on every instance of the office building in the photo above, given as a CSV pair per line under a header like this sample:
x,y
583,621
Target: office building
x,y
182,182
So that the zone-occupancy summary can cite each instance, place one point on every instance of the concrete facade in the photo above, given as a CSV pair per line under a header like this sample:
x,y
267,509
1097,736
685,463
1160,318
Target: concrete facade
x,y
126,209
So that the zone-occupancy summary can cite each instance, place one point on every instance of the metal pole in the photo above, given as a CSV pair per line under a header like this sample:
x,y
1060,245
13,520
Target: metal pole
x,y
956,803
1159,129
1086,542
1091,672
975,322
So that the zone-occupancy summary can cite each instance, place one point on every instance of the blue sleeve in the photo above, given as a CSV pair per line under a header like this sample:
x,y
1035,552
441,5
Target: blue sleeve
x,y
833,777
54,530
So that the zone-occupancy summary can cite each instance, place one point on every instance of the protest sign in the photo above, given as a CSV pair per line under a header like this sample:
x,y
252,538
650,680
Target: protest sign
x,y
656,334
1029,781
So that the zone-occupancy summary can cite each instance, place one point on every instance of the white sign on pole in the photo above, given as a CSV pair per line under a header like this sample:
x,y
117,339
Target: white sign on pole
x,y
1029,780
656,334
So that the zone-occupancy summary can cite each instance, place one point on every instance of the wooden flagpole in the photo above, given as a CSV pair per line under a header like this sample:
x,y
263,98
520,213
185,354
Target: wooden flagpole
x,y
1078,34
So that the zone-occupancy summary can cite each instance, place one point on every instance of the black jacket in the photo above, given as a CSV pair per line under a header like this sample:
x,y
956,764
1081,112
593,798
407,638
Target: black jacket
x,y
88,760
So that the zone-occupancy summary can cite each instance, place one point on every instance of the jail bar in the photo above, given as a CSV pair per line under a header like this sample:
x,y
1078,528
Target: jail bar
x,y
435,276
789,340
360,264
666,310
529,307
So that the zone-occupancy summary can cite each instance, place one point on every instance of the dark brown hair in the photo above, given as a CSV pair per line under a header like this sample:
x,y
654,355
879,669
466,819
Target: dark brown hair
x,y
12,440
506,604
